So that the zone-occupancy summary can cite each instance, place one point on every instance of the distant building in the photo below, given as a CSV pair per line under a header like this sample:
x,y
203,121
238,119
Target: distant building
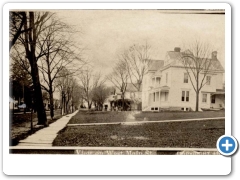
x,y
132,99
13,104
167,86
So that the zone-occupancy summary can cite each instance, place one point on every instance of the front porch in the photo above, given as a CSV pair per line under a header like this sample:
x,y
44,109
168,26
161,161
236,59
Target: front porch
x,y
158,98
217,100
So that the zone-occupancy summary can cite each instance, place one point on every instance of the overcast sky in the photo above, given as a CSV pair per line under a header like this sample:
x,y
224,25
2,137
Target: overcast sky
x,y
105,33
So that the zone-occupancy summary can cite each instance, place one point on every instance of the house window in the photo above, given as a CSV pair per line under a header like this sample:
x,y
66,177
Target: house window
x,y
164,96
213,99
208,80
166,78
185,94
204,98
154,97
185,78
158,80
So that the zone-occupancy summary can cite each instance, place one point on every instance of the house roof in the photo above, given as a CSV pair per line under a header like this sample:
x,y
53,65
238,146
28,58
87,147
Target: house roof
x,y
177,55
174,54
218,93
216,64
155,65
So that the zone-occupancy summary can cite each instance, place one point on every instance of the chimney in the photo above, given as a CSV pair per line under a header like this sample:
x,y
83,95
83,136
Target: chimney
x,y
214,55
177,49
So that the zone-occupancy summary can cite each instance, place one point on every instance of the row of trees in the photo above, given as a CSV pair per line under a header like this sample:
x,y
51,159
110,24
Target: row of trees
x,y
42,51
45,57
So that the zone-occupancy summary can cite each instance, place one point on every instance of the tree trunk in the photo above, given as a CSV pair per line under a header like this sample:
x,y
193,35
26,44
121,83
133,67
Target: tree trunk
x,y
62,105
68,105
51,103
89,105
197,100
30,47
123,108
65,104
42,119
197,92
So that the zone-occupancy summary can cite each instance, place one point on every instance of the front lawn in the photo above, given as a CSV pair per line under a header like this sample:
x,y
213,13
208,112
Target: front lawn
x,y
191,134
130,116
99,117
150,116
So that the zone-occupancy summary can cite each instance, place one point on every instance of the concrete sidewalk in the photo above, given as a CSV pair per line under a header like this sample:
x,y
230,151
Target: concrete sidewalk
x,y
45,136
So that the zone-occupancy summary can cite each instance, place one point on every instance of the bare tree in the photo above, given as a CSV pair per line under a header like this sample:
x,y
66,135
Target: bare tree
x,y
197,62
119,78
76,96
137,59
100,94
64,83
89,81
60,52
32,28
16,22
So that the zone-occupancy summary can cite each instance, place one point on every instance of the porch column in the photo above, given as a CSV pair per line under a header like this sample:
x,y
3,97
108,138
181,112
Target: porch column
x,y
159,96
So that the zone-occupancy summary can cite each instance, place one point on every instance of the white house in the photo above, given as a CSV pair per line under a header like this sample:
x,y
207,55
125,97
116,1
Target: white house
x,y
167,85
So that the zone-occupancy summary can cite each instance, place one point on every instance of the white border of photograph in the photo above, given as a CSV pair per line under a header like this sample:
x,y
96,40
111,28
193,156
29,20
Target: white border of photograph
x,y
14,164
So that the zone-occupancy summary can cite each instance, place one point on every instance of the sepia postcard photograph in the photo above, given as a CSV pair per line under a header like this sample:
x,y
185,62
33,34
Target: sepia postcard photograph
x,y
110,81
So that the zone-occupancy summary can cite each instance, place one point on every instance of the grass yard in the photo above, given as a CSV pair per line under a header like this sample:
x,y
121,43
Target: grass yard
x,y
20,125
99,117
149,116
195,134
128,116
